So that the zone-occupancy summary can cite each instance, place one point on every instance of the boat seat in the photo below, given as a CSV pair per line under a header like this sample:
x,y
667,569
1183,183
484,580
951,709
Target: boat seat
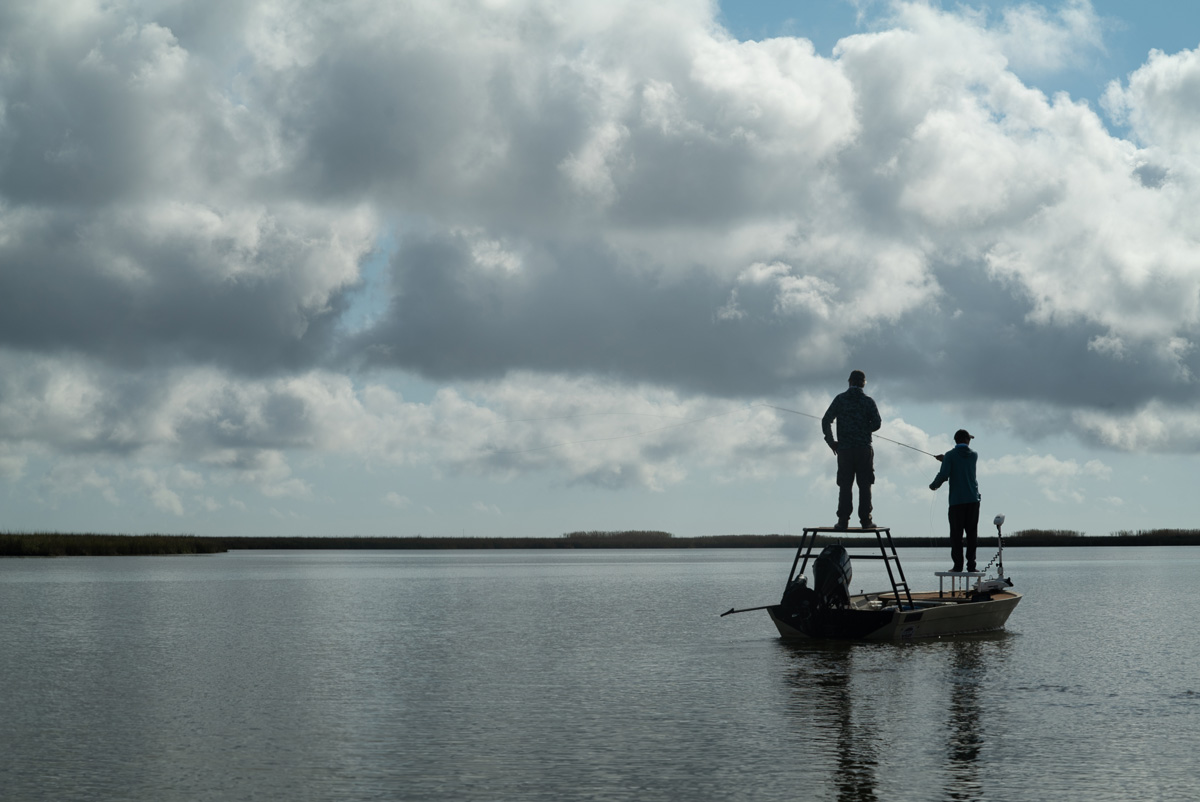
x,y
955,576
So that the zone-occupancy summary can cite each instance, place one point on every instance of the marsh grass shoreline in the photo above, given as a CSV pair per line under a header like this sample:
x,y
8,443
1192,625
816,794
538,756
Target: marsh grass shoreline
x,y
55,544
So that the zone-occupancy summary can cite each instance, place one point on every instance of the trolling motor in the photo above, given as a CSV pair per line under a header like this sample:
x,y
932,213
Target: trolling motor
x,y
1001,581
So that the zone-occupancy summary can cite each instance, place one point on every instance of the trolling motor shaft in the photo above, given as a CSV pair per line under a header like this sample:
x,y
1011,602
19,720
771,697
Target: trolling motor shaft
x,y
999,522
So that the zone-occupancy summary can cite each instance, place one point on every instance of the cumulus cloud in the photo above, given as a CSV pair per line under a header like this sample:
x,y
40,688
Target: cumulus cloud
x,y
618,205
139,220
1055,477
1039,39
1158,103
936,184
72,476
394,499
12,464
486,509
160,494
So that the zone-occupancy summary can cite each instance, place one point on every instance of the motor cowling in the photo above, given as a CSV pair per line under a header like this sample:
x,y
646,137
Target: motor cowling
x,y
831,576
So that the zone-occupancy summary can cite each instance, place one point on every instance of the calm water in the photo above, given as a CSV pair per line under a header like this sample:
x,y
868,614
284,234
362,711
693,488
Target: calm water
x,y
534,675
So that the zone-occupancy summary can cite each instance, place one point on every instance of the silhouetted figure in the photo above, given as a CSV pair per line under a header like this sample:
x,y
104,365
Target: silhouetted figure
x,y
856,416
958,465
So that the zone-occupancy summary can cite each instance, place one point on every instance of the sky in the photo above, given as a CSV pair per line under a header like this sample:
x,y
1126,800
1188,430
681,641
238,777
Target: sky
x,y
527,267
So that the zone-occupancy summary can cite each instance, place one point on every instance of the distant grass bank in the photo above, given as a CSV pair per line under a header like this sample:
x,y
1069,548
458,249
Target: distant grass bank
x,y
82,545
87,545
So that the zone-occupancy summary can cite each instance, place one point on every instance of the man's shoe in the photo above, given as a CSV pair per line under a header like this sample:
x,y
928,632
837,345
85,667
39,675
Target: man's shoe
x,y
971,568
842,525
957,569
867,524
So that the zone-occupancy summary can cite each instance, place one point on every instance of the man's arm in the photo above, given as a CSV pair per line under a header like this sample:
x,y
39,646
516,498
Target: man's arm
x,y
943,475
827,424
874,421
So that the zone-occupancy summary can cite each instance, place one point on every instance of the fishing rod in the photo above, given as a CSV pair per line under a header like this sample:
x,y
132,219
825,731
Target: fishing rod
x,y
881,437
686,422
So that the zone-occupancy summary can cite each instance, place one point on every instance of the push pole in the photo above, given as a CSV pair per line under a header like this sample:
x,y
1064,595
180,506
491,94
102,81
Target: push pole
x,y
744,610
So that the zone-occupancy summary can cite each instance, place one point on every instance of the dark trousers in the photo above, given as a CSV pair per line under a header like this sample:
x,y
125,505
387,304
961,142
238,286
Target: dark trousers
x,y
963,518
856,465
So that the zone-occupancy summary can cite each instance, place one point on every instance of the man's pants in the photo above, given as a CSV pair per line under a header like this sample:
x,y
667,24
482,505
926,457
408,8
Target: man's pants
x,y
963,518
856,465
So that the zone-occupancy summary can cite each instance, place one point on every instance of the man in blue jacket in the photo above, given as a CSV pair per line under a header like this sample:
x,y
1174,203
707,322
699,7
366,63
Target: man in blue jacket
x,y
856,416
958,465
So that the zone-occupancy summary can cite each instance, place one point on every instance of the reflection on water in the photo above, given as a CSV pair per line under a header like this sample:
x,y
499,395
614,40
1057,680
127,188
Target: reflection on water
x,y
972,660
823,696
844,697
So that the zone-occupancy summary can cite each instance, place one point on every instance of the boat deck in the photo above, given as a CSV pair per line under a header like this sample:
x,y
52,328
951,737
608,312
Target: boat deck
x,y
957,596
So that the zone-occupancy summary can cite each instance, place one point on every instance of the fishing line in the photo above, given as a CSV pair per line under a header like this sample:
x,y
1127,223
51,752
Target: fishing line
x,y
686,422
936,493
586,415
814,417
615,437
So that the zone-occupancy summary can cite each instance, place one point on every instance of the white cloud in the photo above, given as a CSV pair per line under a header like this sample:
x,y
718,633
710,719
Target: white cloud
x,y
12,464
486,509
1161,105
1044,466
1034,38
1057,479
70,477
162,496
394,499
1154,427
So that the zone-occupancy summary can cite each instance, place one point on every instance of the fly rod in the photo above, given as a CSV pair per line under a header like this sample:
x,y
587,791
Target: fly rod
x,y
881,437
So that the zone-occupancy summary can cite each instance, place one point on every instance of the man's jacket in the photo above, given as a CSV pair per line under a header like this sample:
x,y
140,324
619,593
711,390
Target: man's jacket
x,y
958,465
856,415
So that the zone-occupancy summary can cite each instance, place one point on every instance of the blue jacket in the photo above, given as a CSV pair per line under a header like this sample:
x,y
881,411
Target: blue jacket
x,y
857,416
958,465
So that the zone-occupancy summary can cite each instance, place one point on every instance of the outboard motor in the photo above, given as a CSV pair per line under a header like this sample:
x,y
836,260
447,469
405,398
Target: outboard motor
x,y
831,576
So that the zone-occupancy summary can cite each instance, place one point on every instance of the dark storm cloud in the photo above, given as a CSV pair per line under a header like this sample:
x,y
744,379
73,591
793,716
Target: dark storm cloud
x,y
170,305
130,232
579,311
103,109
979,344
574,310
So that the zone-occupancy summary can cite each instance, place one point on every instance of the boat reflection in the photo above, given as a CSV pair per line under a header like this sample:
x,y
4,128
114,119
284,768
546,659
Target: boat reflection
x,y
972,661
859,709
822,682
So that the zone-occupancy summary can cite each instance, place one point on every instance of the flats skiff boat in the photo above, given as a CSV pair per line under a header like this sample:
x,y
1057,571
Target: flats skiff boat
x,y
827,609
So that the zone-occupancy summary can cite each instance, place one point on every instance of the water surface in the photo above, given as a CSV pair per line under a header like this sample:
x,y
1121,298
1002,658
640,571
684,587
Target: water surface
x,y
552,675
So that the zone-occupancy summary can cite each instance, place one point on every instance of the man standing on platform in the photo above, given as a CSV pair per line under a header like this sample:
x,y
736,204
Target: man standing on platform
x,y
856,416
958,465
